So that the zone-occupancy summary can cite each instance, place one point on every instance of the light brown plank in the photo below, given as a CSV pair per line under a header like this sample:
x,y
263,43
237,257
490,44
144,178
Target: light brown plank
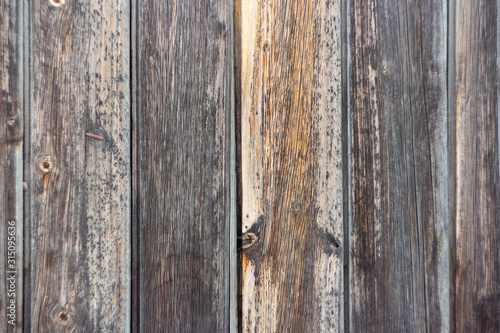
x,y
80,186
292,245
399,217
477,284
11,166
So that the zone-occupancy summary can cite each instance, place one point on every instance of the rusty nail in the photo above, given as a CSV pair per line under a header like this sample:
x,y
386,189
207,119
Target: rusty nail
x,y
95,136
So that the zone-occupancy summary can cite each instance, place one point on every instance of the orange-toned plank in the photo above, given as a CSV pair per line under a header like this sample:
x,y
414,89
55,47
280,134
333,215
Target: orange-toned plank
x,y
292,225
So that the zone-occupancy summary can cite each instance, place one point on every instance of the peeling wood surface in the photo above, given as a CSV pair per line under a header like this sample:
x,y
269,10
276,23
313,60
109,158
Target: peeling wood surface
x,y
11,167
477,281
184,104
399,227
80,186
291,168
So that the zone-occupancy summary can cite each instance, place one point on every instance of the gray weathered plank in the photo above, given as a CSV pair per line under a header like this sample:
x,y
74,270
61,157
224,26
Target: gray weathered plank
x,y
291,166
11,166
399,219
79,185
477,281
183,150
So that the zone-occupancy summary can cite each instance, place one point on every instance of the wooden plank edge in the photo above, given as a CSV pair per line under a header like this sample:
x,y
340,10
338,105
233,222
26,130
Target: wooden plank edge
x,y
134,155
346,139
231,220
451,71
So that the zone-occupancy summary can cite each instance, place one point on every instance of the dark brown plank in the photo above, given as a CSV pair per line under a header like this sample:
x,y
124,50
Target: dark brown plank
x,y
184,111
477,284
291,166
80,186
11,166
399,223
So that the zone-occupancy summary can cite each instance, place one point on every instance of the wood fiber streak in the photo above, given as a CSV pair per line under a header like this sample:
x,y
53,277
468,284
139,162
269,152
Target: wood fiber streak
x,y
291,160
477,281
399,223
184,103
80,186
11,165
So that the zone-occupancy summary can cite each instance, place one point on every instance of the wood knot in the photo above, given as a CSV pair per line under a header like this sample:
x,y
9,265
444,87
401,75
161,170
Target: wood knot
x,y
46,165
56,3
63,317
248,239
11,121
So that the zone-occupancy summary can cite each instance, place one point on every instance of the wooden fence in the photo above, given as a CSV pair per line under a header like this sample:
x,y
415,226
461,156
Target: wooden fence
x,y
251,165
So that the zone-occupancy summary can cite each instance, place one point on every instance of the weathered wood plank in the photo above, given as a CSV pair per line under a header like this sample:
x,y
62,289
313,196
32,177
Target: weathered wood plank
x,y
291,160
184,110
399,223
11,166
477,281
80,186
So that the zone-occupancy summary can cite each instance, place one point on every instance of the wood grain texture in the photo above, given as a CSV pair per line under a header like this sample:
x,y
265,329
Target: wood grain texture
x,y
11,166
477,282
291,160
185,83
399,223
80,186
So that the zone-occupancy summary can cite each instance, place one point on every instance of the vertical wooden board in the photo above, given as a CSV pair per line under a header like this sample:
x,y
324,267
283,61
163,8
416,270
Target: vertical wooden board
x,y
80,186
477,281
184,109
399,222
291,159
11,167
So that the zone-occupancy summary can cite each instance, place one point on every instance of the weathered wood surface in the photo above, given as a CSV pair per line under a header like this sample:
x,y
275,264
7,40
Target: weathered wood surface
x,y
399,224
184,107
11,166
477,281
292,222
368,164
80,186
